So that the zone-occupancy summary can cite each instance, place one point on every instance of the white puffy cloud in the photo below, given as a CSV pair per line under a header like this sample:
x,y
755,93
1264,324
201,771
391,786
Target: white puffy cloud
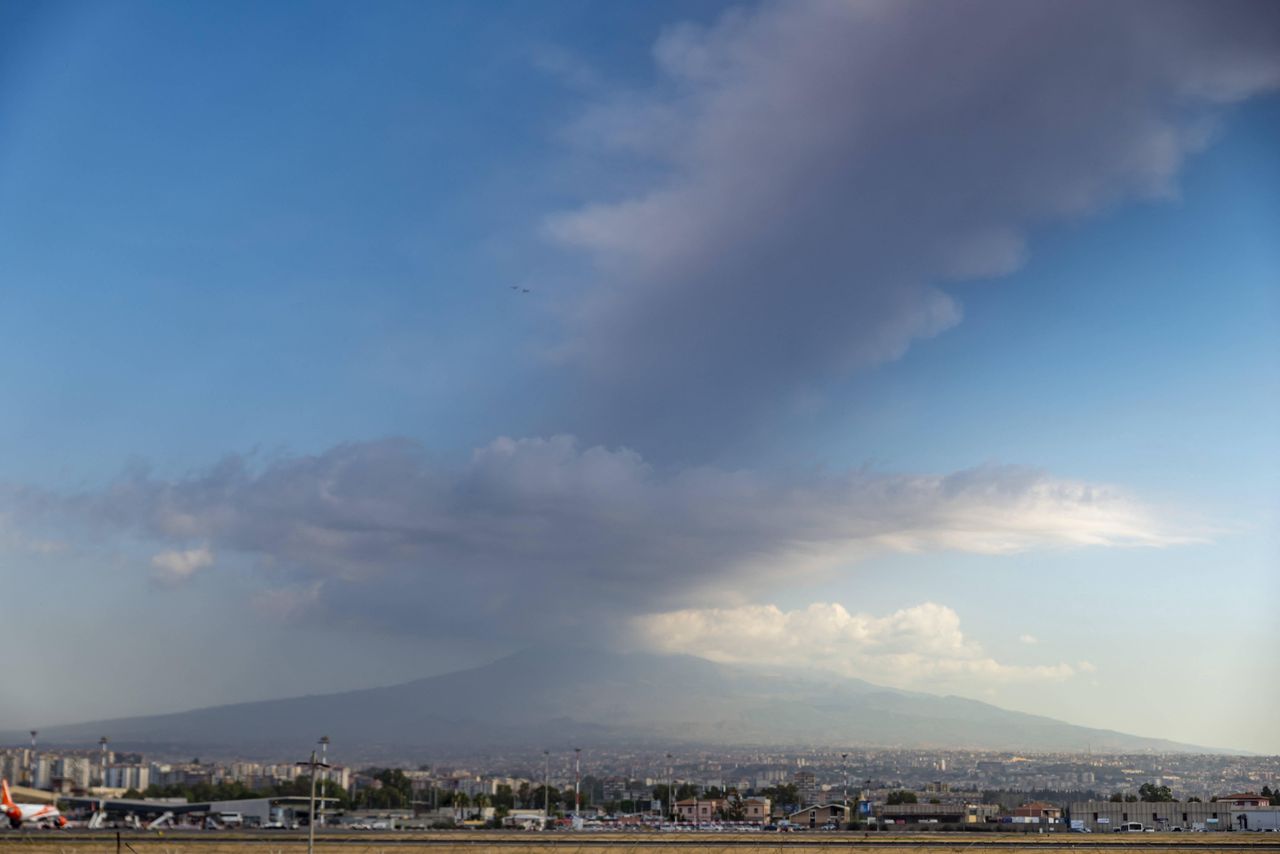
x,y
808,176
543,534
920,646
176,566
1029,640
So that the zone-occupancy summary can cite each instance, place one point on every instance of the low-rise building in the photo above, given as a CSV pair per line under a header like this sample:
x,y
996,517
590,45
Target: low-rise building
x,y
1248,799
699,809
820,815
937,813
1038,811
756,810
1101,816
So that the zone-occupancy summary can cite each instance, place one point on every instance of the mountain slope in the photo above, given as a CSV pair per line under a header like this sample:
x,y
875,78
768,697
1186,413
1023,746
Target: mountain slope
x,y
596,697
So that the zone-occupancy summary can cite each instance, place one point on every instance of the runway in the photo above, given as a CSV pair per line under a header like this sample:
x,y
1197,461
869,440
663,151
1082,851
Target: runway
x,y
569,842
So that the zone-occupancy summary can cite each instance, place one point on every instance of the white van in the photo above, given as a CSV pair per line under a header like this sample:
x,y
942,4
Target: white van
x,y
1130,827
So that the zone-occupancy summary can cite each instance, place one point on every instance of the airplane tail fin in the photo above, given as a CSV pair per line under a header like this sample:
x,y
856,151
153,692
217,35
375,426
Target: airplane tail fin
x,y
5,799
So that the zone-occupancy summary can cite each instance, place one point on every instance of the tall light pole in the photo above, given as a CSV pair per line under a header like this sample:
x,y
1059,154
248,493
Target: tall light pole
x,y
31,760
577,782
324,761
844,763
671,788
546,788
102,761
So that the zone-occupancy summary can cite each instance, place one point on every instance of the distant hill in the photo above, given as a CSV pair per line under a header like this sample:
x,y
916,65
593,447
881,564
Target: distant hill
x,y
595,697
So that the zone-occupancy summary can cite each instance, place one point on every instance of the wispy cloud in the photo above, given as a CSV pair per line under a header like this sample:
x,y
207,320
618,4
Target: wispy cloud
x,y
822,169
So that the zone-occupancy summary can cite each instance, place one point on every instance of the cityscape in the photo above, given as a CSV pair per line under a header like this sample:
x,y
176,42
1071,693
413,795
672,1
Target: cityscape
x,y
632,786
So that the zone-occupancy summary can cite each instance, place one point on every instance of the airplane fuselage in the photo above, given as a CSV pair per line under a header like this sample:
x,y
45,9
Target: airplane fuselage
x,y
36,815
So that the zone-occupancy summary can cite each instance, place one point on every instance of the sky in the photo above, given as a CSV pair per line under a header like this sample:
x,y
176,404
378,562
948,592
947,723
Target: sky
x,y
937,346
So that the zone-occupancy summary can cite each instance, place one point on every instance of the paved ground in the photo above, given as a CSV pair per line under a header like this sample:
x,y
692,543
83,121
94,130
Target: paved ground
x,y
489,842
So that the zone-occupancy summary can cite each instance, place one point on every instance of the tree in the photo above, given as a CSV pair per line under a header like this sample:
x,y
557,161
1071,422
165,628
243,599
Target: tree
x,y
548,795
785,794
1117,798
901,796
504,798
660,793
733,810
395,790
1152,792
1130,799
685,791
1193,800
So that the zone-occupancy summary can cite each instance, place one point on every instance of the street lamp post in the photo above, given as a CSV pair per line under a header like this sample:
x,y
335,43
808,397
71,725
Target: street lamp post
x,y
311,806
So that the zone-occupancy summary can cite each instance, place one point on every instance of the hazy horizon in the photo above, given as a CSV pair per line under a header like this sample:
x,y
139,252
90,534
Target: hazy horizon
x,y
936,346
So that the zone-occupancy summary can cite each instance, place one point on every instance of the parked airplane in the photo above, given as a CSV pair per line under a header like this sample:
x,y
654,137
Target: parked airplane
x,y
40,815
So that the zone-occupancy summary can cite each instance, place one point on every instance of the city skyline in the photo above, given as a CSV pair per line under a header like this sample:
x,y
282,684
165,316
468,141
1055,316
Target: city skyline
x,y
932,346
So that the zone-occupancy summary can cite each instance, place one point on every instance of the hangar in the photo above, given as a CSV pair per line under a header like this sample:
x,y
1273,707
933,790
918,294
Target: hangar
x,y
252,812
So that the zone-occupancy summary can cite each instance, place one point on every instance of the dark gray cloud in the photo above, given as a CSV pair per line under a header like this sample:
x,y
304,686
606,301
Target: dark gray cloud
x,y
827,166
538,536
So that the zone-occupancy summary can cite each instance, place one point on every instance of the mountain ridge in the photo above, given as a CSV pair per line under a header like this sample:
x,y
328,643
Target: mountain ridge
x,y
592,696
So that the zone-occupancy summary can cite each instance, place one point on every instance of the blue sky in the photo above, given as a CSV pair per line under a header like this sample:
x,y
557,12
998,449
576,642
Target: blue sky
x,y
289,233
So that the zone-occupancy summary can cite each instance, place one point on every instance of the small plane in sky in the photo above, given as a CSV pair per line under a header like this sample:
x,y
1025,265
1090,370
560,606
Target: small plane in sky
x,y
39,815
